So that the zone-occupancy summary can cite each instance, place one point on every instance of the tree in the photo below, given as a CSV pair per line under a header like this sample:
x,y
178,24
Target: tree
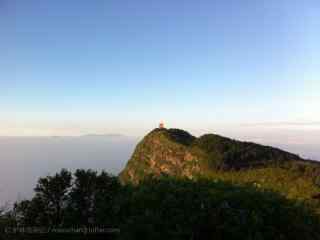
x,y
92,198
32,212
82,196
53,191
107,202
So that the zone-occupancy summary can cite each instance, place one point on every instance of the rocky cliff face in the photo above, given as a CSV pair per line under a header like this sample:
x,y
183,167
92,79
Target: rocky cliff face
x,y
162,151
176,152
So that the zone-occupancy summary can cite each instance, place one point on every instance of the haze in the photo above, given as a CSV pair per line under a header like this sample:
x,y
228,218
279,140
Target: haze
x,y
25,159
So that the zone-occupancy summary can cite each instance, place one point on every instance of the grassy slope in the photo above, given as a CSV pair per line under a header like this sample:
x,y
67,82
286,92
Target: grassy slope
x,y
233,161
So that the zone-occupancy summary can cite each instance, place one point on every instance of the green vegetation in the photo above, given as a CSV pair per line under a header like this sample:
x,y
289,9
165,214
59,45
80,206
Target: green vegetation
x,y
162,208
204,209
177,186
225,153
177,153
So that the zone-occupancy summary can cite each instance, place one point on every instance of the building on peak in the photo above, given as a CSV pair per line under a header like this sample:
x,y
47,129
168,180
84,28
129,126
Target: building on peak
x,y
161,125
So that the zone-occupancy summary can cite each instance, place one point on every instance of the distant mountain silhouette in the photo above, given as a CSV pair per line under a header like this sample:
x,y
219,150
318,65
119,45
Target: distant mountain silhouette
x,y
104,135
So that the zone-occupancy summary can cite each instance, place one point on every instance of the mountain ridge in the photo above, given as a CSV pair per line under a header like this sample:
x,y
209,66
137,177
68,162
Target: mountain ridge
x,y
169,151
176,153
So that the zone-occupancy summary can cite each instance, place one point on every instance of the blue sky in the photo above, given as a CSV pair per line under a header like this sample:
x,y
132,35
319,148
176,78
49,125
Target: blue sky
x,y
77,67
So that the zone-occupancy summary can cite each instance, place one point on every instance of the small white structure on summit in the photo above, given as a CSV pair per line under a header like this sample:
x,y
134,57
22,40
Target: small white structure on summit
x,y
161,125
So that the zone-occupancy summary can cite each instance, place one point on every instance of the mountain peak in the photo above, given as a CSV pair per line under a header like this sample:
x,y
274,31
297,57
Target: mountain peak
x,y
176,152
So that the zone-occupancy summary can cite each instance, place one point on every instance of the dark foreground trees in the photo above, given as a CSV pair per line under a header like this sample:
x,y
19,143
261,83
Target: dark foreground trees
x,y
182,209
164,208
67,200
52,193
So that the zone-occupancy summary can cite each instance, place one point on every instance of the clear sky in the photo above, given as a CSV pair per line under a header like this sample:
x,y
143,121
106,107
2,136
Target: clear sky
x,y
78,66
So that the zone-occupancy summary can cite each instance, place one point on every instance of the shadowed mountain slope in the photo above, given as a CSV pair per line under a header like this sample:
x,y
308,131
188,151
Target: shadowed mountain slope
x,y
177,153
